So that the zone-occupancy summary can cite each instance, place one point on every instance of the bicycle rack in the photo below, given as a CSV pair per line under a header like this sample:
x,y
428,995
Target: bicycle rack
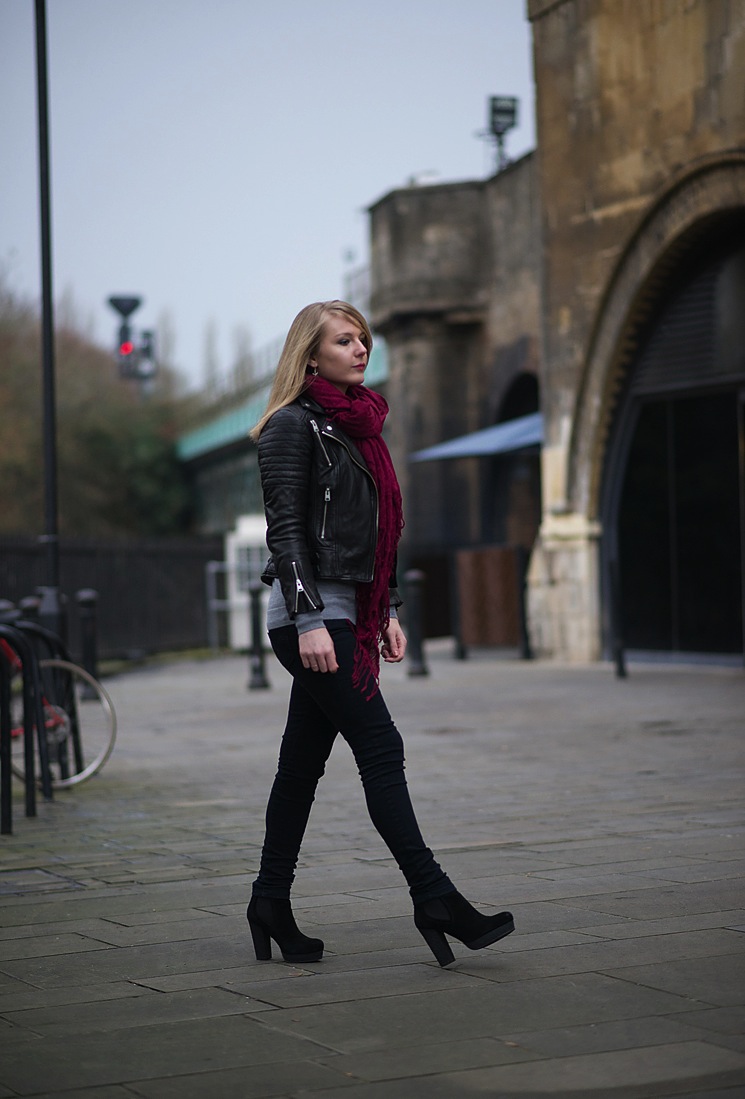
x,y
33,718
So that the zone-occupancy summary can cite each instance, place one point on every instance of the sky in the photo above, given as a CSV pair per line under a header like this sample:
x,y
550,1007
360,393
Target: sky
x,y
217,157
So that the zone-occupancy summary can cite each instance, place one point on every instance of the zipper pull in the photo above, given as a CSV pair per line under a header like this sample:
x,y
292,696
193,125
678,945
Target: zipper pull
x,y
319,436
327,495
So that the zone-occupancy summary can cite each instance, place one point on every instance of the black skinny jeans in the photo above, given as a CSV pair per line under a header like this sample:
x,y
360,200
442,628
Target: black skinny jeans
x,y
321,705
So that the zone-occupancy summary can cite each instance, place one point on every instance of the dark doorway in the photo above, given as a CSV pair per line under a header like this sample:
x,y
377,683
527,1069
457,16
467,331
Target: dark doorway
x,y
673,508
511,484
679,528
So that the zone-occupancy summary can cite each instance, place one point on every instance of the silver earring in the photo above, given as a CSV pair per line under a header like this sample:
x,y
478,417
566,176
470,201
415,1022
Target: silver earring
x,y
314,371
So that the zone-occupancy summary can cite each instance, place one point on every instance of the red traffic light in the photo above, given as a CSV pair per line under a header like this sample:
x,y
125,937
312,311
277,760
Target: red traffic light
x,y
126,348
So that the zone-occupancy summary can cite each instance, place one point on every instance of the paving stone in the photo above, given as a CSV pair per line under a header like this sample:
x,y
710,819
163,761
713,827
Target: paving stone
x,y
113,1091
665,902
366,935
329,988
607,956
229,979
487,1009
47,946
720,1020
169,916
735,1092
637,1074
143,1010
603,1037
26,997
84,906
370,909
427,1059
643,1067
630,929
301,1077
546,940
556,792
129,963
700,872
159,1050
718,981
163,932
540,916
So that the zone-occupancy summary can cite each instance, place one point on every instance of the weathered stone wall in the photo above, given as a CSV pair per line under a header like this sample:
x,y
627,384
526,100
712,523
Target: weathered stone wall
x,y
631,95
455,293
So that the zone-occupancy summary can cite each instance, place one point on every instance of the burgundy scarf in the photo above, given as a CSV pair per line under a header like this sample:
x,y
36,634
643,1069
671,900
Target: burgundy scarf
x,y
361,413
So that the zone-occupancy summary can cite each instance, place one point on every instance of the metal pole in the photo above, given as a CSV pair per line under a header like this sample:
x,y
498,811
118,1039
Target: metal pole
x,y
414,581
522,561
87,600
49,609
6,793
619,657
258,680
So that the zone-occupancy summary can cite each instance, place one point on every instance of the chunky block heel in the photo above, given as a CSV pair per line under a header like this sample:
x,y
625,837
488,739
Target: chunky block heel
x,y
269,919
452,914
438,944
261,940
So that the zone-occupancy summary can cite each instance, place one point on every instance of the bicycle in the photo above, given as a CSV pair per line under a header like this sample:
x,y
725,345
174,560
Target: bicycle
x,y
78,714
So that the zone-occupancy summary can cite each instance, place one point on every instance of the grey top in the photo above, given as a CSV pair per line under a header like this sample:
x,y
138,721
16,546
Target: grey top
x,y
339,601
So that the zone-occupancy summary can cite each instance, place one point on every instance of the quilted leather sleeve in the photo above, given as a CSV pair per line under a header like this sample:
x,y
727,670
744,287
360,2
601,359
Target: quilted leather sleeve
x,y
285,465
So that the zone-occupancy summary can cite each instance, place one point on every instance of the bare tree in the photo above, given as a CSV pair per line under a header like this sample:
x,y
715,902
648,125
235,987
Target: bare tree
x,y
210,361
243,359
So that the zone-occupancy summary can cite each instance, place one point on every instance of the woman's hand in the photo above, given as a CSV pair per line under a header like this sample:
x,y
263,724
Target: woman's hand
x,y
394,643
317,650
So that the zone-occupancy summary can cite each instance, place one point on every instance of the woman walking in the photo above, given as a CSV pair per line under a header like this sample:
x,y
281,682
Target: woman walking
x,y
334,519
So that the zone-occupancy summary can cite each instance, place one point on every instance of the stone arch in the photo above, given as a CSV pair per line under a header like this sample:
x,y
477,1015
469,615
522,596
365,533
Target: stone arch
x,y
709,191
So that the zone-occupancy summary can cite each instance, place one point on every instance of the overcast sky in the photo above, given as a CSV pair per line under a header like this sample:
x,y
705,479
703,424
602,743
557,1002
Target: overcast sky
x,y
217,157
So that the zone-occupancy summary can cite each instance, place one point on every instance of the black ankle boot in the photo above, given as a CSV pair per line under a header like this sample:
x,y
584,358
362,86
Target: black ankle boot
x,y
453,915
270,918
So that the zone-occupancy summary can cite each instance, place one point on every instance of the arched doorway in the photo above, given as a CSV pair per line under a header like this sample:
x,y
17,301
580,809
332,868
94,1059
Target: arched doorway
x,y
673,508
511,482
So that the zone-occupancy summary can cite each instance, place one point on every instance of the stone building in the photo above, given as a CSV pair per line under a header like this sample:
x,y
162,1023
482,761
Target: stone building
x,y
602,279
455,278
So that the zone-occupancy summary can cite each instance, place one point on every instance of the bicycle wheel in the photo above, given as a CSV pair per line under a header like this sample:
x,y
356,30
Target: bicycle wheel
x,y
79,721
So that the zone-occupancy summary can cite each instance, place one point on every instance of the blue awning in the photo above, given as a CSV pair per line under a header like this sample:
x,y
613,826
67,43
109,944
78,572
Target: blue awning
x,y
526,431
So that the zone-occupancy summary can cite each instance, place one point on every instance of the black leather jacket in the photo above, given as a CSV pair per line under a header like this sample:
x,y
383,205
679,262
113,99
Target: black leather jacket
x,y
321,505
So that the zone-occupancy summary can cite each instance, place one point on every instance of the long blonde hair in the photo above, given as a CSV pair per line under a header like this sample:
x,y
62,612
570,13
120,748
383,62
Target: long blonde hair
x,y
300,346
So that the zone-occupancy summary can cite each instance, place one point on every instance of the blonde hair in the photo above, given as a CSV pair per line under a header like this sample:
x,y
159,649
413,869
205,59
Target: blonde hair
x,y
301,345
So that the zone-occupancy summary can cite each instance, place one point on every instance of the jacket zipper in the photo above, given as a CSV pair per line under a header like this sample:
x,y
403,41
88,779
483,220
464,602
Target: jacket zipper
x,y
326,502
315,427
299,589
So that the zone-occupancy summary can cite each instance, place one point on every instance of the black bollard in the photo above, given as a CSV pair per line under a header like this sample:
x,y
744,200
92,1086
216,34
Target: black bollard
x,y
414,582
522,563
8,611
258,680
87,601
617,645
29,608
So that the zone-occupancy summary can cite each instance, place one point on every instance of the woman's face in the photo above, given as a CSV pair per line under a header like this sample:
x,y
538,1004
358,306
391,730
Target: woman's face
x,y
342,354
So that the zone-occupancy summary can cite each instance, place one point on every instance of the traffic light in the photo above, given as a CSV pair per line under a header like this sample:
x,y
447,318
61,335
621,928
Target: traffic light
x,y
126,352
147,365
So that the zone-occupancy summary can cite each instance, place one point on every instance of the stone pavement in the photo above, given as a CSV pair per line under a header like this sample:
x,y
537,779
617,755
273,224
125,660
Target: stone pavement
x,y
606,814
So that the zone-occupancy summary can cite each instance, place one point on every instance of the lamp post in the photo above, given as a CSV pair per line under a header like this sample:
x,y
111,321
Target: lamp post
x,y
50,609
502,117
